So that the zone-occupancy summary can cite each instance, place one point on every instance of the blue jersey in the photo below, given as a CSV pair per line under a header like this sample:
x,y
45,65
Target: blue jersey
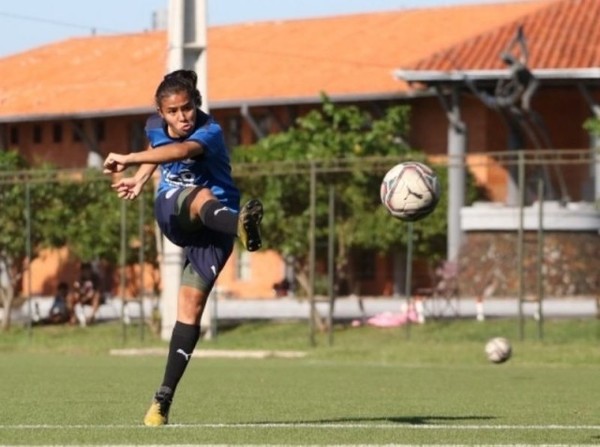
x,y
211,169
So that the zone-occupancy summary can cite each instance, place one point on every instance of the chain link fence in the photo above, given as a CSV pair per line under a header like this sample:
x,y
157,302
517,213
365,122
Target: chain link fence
x,y
530,227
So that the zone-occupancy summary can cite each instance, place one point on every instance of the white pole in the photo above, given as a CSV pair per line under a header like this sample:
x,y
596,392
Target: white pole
x,y
595,168
186,50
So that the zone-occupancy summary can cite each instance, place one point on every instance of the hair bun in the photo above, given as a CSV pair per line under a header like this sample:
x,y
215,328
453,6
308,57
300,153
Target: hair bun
x,y
188,75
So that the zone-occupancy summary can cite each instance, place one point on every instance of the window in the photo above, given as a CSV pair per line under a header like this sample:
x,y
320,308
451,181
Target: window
x,y
261,127
37,133
100,130
233,132
243,270
137,136
264,124
14,135
57,133
77,131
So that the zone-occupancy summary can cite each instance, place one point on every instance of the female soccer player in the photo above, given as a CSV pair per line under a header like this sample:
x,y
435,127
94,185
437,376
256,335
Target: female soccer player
x,y
196,207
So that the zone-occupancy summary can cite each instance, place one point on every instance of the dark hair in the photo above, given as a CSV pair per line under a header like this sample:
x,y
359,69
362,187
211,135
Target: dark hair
x,y
179,81
62,286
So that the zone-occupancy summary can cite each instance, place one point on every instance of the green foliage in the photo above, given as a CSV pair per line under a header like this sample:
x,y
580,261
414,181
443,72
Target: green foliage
x,y
78,210
12,197
351,151
99,212
592,125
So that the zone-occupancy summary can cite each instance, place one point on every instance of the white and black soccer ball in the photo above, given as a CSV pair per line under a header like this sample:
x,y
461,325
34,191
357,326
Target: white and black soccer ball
x,y
498,350
410,191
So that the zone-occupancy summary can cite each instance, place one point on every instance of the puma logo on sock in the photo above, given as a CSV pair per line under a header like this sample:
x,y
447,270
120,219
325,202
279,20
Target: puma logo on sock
x,y
185,354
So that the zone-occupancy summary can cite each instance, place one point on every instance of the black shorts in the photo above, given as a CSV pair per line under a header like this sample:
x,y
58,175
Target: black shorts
x,y
205,250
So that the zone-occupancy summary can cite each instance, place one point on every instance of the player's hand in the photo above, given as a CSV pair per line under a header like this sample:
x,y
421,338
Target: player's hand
x,y
128,188
115,163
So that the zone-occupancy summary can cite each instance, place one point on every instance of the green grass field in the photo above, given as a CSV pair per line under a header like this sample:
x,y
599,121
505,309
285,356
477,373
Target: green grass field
x,y
373,386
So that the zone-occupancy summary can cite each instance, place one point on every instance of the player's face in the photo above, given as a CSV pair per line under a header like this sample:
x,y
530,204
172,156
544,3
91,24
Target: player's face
x,y
179,112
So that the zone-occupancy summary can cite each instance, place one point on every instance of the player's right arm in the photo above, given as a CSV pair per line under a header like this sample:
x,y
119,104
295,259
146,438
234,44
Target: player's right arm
x,y
130,187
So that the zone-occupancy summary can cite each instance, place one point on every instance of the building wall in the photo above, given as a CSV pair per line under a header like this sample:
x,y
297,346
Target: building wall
x,y
251,275
57,143
489,259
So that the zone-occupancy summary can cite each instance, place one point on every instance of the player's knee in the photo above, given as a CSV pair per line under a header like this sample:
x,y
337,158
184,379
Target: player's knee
x,y
191,305
204,196
198,198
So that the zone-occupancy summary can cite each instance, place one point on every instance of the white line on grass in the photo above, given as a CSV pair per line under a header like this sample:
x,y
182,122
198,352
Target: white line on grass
x,y
320,445
310,425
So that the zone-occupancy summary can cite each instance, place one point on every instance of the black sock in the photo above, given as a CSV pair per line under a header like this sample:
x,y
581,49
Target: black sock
x,y
183,342
218,217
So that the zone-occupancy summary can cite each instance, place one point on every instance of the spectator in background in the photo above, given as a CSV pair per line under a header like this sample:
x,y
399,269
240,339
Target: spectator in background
x,y
86,291
59,311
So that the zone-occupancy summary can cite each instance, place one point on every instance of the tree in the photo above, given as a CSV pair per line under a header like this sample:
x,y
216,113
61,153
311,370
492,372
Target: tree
x,y
97,232
78,210
592,125
328,138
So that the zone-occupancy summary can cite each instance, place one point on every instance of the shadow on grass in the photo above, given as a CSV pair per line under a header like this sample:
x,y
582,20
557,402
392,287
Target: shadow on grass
x,y
404,420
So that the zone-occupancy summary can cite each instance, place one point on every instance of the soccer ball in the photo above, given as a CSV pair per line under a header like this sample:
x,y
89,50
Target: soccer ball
x,y
498,350
410,191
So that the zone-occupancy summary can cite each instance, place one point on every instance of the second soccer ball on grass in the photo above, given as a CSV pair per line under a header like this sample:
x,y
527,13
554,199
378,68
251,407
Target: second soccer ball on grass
x,y
498,350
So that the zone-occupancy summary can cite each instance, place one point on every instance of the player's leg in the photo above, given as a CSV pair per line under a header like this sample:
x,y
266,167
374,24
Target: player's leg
x,y
72,301
206,253
186,332
95,301
202,205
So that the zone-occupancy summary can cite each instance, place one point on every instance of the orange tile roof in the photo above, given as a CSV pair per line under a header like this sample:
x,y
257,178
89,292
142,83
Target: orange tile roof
x,y
562,35
349,55
83,75
345,55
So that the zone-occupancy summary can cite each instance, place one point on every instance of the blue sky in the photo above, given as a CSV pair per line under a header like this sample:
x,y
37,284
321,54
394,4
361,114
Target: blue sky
x,y
28,24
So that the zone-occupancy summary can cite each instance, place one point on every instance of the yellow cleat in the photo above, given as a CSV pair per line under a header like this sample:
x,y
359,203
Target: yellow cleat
x,y
158,413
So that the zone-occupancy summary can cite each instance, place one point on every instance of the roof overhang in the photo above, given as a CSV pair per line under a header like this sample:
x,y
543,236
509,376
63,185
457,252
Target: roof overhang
x,y
220,105
554,76
316,99
75,116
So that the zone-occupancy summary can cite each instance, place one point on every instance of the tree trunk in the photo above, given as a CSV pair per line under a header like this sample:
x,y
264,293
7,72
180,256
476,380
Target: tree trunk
x,y
301,277
8,286
302,281
8,296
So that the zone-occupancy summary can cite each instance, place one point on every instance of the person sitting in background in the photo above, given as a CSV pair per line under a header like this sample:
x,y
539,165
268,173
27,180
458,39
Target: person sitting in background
x,y
281,288
86,291
59,312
